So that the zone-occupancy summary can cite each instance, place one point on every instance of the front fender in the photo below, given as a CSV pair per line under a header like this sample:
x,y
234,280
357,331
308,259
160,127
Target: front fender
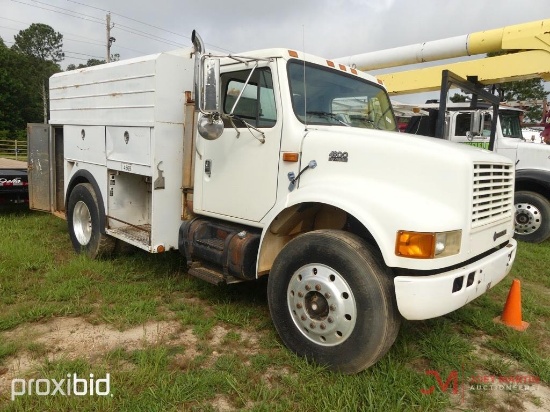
x,y
382,209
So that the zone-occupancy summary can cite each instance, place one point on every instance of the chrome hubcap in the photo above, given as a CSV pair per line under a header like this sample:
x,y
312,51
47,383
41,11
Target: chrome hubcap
x,y
321,304
82,223
528,218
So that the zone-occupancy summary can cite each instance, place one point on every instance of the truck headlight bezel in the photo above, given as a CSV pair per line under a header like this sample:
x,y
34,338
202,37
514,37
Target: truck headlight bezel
x,y
427,245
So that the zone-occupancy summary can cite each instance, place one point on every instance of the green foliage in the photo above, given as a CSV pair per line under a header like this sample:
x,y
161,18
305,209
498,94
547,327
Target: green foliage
x,y
532,89
89,63
20,101
40,41
24,73
457,98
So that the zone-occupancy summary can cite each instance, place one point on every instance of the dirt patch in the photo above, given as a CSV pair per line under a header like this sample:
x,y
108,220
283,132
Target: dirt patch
x,y
71,338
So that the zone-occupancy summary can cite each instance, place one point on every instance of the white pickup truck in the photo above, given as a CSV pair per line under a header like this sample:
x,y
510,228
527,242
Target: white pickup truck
x,y
282,163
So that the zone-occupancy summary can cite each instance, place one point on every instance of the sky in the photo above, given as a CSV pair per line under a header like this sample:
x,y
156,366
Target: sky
x,y
326,28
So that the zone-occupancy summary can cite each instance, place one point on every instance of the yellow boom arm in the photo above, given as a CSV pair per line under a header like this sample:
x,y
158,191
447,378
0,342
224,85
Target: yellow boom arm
x,y
528,56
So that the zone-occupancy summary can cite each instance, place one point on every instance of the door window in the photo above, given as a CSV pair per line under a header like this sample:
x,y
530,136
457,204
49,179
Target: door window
x,y
256,105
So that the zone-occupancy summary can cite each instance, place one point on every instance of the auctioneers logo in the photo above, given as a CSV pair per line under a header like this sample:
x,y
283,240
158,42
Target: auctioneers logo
x,y
72,386
480,382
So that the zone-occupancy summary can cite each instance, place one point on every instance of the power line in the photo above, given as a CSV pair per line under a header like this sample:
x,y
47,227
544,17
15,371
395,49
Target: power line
x,y
65,33
9,28
65,38
78,58
99,21
56,11
144,23
84,54
98,43
147,35
68,10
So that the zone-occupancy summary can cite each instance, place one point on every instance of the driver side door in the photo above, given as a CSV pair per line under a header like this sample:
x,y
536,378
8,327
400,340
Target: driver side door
x,y
240,168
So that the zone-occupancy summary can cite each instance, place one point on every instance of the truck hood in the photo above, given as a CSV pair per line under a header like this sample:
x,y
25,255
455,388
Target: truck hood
x,y
394,181
533,156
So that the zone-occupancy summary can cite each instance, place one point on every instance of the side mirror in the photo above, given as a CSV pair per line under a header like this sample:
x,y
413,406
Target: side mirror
x,y
210,85
476,123
210,124
207,91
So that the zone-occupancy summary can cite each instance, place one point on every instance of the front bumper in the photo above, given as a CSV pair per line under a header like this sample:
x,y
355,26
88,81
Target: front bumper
x,y
425,297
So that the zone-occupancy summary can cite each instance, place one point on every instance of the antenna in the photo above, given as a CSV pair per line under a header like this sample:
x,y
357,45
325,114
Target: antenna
x,y
305,85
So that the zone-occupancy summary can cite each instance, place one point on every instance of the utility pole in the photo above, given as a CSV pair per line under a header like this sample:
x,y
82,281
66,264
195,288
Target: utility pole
x,y
110,40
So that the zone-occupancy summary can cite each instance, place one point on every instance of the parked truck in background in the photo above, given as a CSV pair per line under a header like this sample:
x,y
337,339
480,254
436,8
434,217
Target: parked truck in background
x,y
531,157
279,163
13,181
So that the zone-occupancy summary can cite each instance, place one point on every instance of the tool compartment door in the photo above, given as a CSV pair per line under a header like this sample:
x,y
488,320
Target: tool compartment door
x,y
39,170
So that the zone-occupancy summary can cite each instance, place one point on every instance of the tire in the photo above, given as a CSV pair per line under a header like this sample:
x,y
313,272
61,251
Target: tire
x,y
84,219
532,217
332,301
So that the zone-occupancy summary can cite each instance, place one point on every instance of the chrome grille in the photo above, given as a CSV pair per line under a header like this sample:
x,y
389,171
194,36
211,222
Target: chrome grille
x,y
493,195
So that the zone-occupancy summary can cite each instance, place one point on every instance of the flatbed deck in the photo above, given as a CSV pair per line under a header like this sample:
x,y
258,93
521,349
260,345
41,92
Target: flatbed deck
x,y
12,164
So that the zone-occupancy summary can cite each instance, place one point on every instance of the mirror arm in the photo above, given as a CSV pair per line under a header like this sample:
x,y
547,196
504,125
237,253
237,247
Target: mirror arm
x,y
242,90
230,118
250,128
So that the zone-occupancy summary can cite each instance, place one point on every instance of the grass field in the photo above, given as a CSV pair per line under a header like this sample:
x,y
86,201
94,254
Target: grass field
x,y
169,342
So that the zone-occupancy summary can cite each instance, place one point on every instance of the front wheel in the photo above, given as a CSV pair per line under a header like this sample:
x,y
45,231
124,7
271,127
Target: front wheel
x,y
532,218
83,218
332,301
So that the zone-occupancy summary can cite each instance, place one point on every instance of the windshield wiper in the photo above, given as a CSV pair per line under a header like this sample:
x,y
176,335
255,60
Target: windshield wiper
x,y
329,115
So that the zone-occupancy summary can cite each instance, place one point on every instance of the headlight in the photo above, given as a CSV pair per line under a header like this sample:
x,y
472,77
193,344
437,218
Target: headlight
x,y
427,245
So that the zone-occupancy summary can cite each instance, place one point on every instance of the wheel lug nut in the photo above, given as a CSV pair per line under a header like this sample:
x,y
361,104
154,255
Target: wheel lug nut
x,y
303,317
299,305
330,319
333,307
300,295
317,287
327,295
312,325
323,326
308,287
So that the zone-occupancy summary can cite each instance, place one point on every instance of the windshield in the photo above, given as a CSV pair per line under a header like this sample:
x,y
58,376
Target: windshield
x,y
335,98
510,123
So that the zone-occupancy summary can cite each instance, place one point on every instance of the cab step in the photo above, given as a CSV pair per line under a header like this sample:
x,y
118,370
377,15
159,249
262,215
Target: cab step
x,y
212,276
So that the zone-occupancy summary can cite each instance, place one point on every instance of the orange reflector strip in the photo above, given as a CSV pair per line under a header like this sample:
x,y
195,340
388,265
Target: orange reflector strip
x,y
160,249
380,82
292,53
342,67
331,64
291,156
354,71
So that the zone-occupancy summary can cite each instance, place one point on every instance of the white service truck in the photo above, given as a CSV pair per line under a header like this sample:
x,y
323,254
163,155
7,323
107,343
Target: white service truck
x,y
531,157
282,163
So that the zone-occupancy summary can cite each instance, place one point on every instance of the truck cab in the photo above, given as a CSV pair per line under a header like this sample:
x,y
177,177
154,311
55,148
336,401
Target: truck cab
x,y
530,156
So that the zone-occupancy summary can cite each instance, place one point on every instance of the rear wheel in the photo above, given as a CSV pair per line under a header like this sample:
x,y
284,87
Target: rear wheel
x,y
83,218
532,218
332,301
